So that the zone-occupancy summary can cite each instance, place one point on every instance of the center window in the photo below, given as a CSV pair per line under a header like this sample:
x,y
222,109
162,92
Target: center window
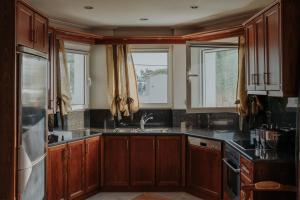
x,y
152,70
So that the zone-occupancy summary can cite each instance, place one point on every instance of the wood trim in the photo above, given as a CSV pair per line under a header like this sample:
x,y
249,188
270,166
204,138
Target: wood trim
x,y
216,34
74,35
141,40
9,108
261,12
32,8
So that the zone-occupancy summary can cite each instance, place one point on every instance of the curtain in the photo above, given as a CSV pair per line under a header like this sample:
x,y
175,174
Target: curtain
x,y
122,82
242,98
63,82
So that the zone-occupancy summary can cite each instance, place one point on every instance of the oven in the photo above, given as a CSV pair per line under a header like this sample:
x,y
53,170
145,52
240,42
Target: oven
x,y
231,171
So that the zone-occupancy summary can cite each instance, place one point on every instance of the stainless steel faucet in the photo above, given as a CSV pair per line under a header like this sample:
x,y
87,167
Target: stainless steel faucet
x,y
144,120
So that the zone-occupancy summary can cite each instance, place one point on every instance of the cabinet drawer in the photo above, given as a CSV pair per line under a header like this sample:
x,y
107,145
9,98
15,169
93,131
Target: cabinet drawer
x,y
211,144
246,168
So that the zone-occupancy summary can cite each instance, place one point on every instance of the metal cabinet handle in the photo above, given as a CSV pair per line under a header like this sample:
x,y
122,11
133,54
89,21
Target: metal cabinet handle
x,y
225,160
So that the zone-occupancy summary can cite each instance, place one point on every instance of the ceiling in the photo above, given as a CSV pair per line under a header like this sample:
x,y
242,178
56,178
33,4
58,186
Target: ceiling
x,y
127,13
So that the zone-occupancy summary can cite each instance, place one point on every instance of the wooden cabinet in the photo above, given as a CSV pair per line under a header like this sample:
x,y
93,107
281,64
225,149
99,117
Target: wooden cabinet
x,y
250,56
75,172
56,173
279,171
92,164
116,161
73,169
272,50
142,160
31,28
204,172
25,20
273,67
168,161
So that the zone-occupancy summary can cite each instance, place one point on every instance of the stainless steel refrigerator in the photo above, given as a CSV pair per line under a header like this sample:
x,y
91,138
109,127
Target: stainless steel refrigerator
x,y
32,138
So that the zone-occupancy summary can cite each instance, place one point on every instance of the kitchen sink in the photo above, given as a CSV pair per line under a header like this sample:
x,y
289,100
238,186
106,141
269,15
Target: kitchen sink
x,y
139,130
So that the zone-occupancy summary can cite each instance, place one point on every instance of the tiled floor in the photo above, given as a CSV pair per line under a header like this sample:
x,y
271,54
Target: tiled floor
x,y
132,195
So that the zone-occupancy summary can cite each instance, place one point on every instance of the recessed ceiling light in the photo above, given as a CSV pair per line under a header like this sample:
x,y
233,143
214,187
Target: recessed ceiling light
x,y
194,7
88,7
144,19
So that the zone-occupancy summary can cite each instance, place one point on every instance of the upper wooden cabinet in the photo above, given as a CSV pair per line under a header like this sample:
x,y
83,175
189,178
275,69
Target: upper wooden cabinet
x,y
272,49
31,28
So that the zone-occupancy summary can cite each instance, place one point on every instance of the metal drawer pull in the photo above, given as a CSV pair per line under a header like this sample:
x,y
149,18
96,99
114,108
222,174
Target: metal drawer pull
x,y
225,160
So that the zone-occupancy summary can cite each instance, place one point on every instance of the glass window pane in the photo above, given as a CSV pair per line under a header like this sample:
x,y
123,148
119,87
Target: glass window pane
x,y
76,65
220,77
216,83
152,76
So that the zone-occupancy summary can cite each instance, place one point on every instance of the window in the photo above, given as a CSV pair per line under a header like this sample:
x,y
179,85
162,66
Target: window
x,y
77,66
212,75
152,70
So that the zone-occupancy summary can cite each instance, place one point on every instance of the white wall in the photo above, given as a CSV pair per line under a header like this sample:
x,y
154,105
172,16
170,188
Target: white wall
x,y
179,80
98,74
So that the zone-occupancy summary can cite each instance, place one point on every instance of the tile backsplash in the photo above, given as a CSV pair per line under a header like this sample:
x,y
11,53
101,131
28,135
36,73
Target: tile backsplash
x,y
282,114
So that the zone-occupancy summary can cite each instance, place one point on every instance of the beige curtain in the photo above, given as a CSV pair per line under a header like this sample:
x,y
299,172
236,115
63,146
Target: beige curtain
x,y
242,99
63,82
122,82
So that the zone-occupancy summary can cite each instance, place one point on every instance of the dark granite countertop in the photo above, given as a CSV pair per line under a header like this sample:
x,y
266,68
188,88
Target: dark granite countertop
x,y
224,136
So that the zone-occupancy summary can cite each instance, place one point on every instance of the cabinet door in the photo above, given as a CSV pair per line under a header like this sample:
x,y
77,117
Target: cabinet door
x,y
260,53
56,173
92,164
116,161
250,56
168,161
24,28
76,169
40,33
272,28
142,158
204,172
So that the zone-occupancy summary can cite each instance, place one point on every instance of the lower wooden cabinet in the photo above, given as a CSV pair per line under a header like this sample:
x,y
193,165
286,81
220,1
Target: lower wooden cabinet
x,y
56,173
92,164
116,161
204,172
73,169
168,161
142,160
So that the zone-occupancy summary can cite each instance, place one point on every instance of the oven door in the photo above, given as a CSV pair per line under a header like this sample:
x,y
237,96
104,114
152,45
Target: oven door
x,y
231,179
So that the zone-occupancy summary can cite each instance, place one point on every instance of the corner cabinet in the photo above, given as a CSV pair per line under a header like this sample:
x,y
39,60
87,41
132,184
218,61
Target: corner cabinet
x,y
272,49
31,28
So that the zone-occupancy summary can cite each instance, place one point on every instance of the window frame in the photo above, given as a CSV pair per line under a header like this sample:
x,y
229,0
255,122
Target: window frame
x,y
158,48
84,50
204,46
